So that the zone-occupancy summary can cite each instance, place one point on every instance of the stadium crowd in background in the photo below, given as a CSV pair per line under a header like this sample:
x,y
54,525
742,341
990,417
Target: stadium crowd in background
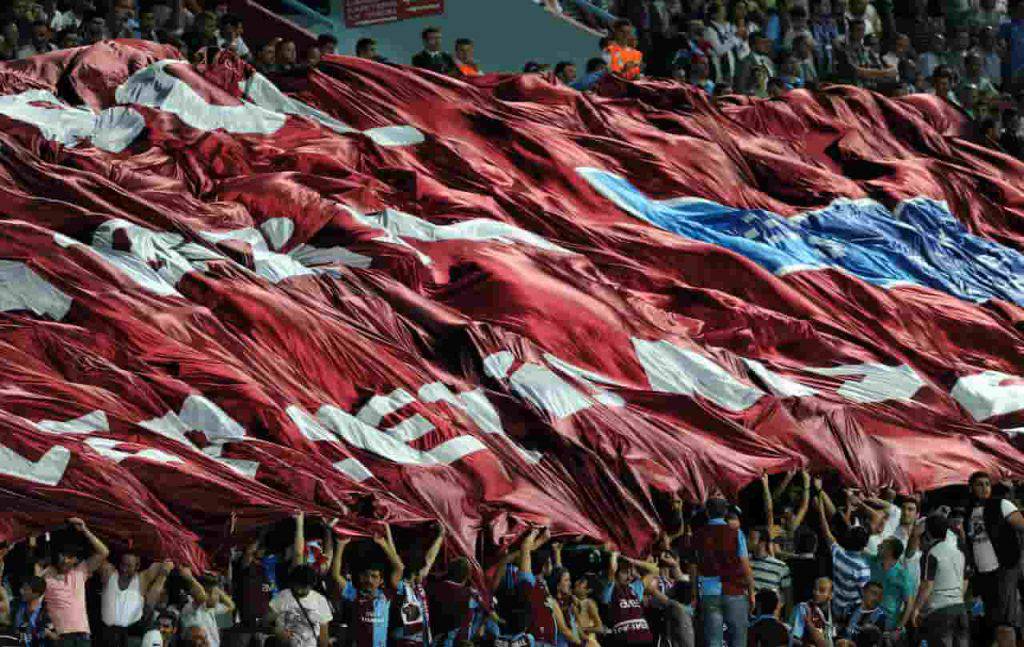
x,y
969,52
801,565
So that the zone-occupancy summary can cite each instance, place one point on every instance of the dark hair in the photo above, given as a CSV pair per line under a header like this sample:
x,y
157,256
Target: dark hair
x,y
850,24
541,558
873,584
531,66
37,584
603,43
776,82
977,475
230,20
561,65
766,602
364,44
805,540
40,23
324,39
428,31
595,64
943,72
462,41
620,23
797,12
302,576
908,499
895,546
857,539
716,508
937,526
868,636
458,569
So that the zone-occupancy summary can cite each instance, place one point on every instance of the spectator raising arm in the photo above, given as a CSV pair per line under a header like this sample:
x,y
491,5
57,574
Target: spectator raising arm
x,y
826,529
195,588
100,552
337,572
805,501
299,544
156,587
769,508
387,544
433,552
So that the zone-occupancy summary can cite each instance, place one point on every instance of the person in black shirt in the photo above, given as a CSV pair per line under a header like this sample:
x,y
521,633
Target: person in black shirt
x,y
432,58
766,630
804,567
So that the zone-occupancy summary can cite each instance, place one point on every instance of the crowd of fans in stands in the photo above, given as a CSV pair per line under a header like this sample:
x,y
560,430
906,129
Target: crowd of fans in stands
x,y
805,566
969,52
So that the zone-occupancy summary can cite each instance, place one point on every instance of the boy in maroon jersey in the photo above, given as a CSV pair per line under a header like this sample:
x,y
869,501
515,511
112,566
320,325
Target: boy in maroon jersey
x,y
624,597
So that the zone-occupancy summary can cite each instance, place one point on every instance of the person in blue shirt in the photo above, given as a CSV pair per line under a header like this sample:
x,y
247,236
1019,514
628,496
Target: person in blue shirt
x,y
1012,36
30,620
597,68
870,611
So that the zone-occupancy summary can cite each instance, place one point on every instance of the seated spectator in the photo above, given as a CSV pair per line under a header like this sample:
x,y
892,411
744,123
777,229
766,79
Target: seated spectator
x,y
464,62
803,56
565,71
812,620
367,48
431,57
41,43
147,27
621,54
313,56
766,629
1012,36
9,39
722,90
868,613
857,64
699,74
941,83
798,26
230,36
327,44
864,11
974,75
825,30
762,77
986,16
960,43
94,30
287,56
760,57
991,58
776,87
789,72
73,17
596,69
898,52
266,57
693,45
724,41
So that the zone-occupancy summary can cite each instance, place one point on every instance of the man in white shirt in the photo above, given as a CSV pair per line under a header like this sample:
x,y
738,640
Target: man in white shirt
x,y
230,35
202,612
161,635
300,614
126,594
864,10
995,548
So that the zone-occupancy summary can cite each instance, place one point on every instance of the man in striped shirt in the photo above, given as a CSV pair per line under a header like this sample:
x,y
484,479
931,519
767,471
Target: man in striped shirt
x,y
769,572
850,567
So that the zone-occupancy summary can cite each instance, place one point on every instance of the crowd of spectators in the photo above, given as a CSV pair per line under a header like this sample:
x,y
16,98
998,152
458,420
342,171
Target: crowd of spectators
x,y
969,52
807,565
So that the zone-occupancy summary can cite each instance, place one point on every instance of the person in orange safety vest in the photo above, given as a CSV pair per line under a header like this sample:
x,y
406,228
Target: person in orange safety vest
x,y
621,54
464,58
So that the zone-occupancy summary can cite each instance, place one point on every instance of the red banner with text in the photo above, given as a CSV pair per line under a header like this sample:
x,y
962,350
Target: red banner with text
x,y
360,13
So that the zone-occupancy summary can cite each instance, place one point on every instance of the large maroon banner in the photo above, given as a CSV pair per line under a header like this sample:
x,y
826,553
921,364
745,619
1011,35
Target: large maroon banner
x,y
359,13
397,295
